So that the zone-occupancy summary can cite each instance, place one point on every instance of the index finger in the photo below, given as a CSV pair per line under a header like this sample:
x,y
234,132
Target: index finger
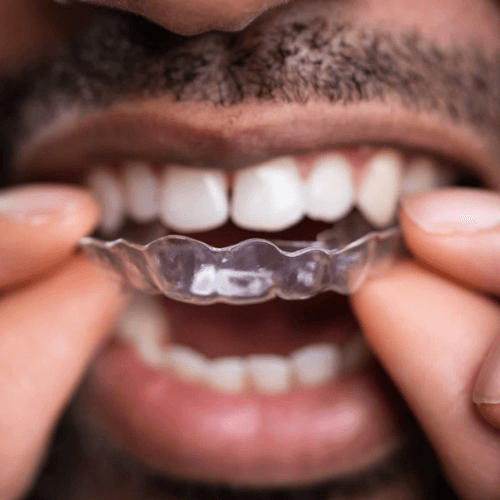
x,y
40,226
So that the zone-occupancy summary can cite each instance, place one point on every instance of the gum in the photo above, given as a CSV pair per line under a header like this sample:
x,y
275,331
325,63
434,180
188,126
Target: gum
x,y
255,270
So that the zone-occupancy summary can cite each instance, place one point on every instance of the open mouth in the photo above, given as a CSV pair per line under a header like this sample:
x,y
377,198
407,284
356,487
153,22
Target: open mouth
x,y
250,395
269,199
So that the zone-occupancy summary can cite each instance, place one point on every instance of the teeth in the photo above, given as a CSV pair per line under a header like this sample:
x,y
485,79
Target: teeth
x,y
422,174
270,374
193,199
141,192
186,362
269,197
109,193
379,193
330,189
309,367
227,374
317,364
145,325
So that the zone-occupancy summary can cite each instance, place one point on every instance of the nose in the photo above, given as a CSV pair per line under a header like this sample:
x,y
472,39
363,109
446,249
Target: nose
x,y
190,17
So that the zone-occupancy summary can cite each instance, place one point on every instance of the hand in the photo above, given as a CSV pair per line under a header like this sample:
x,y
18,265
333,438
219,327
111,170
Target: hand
x,y
432,322
54,310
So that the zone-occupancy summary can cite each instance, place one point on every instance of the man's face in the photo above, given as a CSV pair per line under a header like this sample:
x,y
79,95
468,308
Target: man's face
x,y
262,399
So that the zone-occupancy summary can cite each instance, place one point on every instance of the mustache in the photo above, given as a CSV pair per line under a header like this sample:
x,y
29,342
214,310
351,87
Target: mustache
x,y
122,57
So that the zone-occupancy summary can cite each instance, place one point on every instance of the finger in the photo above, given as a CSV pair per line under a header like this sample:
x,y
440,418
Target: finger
x,y
431,335
39,227
456,231
48,334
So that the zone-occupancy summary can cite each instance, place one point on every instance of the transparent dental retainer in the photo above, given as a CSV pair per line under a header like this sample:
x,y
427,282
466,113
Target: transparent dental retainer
x,y
255,270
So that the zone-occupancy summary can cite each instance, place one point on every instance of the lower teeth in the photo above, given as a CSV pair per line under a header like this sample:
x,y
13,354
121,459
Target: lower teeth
x,y
255,270
145,327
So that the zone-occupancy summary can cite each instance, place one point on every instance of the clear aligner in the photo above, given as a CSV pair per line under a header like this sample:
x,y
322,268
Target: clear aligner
x,y
255,270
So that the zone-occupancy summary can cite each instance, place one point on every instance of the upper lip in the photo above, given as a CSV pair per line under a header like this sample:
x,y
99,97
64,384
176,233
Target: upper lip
x,y
201,134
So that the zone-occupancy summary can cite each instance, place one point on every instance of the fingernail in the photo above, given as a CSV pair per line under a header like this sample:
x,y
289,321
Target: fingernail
x,y
454,210
38,204
487,388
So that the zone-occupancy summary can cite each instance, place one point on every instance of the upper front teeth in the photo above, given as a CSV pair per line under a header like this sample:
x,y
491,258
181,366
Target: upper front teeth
x,y
193,199
379,193
330,189
141,192
268,197
109,193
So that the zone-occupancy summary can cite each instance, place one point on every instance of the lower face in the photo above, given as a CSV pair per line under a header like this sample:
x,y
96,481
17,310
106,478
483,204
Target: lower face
x,y
281,398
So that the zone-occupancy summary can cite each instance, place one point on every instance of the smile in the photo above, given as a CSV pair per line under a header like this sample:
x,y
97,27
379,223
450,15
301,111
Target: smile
x,y
271,394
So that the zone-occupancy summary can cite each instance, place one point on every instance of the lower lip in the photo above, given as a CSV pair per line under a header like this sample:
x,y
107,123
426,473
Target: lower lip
x,y
197,434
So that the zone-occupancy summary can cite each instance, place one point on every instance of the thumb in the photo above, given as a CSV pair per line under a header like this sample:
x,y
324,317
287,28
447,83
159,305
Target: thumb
x,y
432,334
457,232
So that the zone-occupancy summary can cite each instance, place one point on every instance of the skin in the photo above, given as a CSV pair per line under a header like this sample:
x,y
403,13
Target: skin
x,y
191,18
450,275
